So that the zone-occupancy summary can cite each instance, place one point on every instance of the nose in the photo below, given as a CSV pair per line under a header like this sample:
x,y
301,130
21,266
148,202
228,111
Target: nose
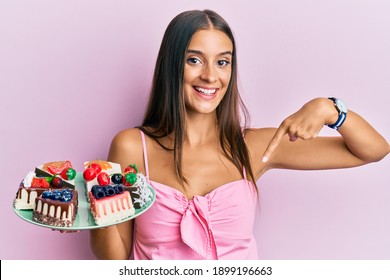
x,y
209,74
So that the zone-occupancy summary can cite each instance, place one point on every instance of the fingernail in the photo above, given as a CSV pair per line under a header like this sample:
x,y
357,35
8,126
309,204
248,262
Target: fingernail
x,y
265,159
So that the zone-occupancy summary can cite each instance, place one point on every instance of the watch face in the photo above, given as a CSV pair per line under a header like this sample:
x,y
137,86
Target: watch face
x,y
341,105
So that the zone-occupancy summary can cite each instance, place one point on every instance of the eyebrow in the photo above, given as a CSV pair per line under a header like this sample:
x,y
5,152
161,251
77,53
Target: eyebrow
x,y
201,53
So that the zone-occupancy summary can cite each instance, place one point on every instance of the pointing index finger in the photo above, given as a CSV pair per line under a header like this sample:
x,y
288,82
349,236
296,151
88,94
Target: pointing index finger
x,y
275,141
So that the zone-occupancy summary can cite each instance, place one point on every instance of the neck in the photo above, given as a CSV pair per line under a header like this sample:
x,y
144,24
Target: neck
x,y
200,129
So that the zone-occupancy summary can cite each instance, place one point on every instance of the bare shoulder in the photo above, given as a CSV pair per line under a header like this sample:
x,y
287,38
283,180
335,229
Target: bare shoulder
x,y
125,140
126,147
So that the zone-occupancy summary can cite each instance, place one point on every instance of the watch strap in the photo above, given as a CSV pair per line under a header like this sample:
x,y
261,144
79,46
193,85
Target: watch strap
x,y
340,119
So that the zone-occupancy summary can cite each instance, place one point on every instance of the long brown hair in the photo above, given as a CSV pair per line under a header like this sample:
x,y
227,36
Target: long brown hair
x,y
166,109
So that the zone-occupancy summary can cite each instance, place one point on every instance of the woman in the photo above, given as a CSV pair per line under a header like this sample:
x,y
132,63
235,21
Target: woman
x,y
203,164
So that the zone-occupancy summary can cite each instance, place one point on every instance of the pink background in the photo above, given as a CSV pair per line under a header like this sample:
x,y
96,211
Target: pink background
x,y
73,73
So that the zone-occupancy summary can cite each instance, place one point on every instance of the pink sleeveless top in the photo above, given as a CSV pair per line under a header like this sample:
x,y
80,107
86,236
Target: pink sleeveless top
x,y
218,225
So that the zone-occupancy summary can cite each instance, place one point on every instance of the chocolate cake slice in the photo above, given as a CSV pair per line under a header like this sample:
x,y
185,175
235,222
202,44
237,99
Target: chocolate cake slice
x,y
56,207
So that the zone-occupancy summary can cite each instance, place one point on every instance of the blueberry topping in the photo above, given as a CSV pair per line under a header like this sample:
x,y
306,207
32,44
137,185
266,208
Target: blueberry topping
x,y
47,194
94,188
117,178
66,197
119,189
66,191
98,192
60,195
109,190
102,191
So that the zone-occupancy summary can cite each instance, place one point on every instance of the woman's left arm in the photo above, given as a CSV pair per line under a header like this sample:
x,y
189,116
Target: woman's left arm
x,y
362,139
360,142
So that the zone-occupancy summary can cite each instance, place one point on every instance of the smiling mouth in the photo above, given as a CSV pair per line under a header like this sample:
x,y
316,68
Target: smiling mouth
x,y
205,91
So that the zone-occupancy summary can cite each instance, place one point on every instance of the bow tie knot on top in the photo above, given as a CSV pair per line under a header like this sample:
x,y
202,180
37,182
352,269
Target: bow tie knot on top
x,y
196,230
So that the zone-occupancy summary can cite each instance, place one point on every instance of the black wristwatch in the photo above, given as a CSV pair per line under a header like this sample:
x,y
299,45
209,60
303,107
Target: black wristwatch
x,y
342,109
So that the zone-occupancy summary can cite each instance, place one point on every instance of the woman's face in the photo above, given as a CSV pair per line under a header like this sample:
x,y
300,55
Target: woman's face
x,y
207,70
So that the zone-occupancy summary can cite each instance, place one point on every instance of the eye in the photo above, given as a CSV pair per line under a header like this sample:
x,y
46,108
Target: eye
x,y
193,60
223,63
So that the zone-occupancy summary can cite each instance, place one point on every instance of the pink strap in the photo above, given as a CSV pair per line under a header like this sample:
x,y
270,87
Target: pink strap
x,y
145,154
243,168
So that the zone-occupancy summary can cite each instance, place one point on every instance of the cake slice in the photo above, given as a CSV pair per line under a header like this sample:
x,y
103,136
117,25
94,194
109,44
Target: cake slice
x,y
62,169
140,192
56,207
110,204
114,195
30,188
52,175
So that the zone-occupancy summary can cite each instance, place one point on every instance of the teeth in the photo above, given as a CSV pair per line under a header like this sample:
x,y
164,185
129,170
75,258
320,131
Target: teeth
x,y
206,91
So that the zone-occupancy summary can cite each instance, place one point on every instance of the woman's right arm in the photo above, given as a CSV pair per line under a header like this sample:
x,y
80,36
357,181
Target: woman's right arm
x,y
116,242
112,243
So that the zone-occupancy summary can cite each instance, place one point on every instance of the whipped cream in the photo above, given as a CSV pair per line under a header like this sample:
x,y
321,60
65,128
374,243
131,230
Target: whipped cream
x,y
145,194
28,179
